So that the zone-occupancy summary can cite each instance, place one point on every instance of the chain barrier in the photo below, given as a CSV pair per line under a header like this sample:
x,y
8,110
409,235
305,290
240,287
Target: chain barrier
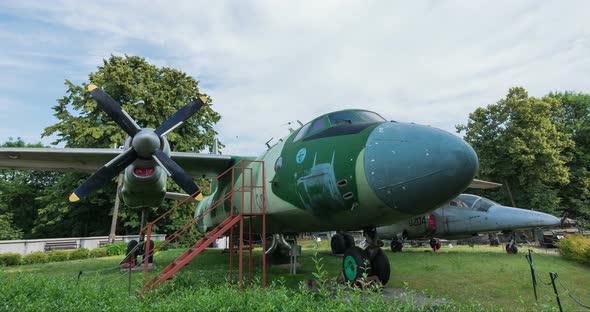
x,y
554,277
571,294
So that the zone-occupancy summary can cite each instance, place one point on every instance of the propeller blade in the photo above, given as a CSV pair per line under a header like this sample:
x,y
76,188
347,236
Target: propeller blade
x,y
114,110
177,174
180,116
104,174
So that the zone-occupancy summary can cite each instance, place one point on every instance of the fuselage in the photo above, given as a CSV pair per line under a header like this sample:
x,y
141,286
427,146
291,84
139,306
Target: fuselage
x,y
351,170
466,216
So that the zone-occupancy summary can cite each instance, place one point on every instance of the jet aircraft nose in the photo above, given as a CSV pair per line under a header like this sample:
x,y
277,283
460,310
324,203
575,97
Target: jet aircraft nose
x,y
415,168
515,218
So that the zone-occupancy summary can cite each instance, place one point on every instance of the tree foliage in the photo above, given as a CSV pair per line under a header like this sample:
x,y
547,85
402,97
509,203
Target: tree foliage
x,y
520,142
81,123
575,121
19,190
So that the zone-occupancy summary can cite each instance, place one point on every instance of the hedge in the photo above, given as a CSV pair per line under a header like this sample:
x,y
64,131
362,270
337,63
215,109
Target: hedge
x,y
58,255
10,258
35,257
80,253
575,247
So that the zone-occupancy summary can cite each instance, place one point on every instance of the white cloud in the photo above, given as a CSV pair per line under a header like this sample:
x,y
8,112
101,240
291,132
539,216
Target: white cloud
x,y
268,62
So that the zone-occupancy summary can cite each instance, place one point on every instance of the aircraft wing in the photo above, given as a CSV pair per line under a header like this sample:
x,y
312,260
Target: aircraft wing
x,y
90,159
481,184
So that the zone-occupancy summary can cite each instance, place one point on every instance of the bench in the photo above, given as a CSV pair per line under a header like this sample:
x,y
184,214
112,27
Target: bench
x,y
61,245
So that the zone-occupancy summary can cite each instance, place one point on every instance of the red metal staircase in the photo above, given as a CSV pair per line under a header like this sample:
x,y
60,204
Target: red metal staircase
x,y
192,252
240,171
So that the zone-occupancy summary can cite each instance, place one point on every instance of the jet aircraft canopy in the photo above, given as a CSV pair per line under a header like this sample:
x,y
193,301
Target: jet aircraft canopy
x,y
344,117
473,202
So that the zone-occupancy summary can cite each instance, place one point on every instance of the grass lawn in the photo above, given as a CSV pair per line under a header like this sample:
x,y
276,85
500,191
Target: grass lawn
x,y
464,275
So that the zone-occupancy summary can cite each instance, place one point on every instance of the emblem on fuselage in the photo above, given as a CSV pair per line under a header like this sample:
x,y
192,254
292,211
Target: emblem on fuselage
x,y
301,155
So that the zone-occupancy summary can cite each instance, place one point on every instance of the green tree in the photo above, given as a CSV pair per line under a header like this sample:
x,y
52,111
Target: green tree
x,y
19,190
520,144
82,123
7,229
575,121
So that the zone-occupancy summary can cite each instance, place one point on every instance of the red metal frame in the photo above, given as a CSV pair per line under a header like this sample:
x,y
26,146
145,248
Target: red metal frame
x,y
227,225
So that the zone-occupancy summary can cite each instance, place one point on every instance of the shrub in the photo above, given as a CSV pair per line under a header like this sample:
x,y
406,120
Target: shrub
x,y
575,247
98,252
36,257
116,249
80,253
157,244
10,259
58,255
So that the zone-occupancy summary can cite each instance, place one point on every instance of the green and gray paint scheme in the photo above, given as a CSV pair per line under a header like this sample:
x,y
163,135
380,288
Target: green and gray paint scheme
x,y
344,170
464,217
350,170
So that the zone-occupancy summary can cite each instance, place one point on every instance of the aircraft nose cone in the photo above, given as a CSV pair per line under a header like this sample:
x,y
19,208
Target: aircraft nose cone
x,y
517,218
415,168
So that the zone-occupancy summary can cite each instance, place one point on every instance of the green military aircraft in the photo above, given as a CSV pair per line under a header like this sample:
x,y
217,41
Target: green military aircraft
x,y
345,170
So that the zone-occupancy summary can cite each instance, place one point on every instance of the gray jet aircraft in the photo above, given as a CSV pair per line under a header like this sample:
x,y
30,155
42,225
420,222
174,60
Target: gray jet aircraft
x,y
464,217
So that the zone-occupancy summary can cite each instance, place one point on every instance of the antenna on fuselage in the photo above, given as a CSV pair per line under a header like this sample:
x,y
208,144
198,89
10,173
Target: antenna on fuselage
x,y
268,142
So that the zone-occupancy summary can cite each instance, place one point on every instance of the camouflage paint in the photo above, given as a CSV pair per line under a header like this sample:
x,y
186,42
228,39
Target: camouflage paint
x,y
321,183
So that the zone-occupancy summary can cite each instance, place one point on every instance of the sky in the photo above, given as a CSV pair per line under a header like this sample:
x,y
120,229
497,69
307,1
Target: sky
x,y
267,63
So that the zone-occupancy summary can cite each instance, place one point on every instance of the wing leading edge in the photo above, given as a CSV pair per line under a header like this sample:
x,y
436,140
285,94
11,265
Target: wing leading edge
x,y
90,159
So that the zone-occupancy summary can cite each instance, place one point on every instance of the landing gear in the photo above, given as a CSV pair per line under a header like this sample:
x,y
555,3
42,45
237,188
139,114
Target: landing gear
x,y
277,249
371,260
396,245
511,247
341,242
435,244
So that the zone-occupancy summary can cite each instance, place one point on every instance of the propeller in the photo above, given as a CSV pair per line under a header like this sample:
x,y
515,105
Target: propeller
x,y
145,143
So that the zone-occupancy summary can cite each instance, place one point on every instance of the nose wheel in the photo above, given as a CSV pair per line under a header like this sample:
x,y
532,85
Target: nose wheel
x,y
511,247
369,262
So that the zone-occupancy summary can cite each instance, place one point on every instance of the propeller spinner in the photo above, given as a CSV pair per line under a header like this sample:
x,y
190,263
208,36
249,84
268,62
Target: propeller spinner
x,y
145,143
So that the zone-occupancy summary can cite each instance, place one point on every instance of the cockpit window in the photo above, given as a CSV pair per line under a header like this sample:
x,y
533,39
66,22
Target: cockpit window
x,y
468,199
344,117
458,203
483,204
370,116
301,132
317,125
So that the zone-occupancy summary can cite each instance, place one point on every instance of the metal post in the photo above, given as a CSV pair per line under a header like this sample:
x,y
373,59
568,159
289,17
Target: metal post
x,y
263,227
553,276
146,248
241,253
529,257
112,234
250,246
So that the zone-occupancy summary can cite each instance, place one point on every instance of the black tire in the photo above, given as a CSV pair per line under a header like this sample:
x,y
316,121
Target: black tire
x,y
354,263
348,241
337,244
511,250
435,244
380,267
132,258
396,246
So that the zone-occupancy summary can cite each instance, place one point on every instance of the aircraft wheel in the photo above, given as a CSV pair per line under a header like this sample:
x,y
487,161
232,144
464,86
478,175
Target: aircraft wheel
x,y
435,244
348,241
396,246
380,267
354,263
338,244
511,250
